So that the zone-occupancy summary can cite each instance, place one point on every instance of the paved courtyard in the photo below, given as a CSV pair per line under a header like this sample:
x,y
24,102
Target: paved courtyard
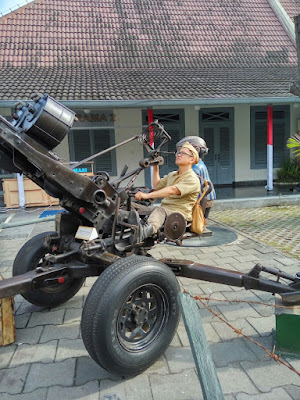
x,y
48,360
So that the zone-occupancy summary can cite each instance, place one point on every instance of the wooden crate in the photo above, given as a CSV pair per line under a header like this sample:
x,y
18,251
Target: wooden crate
x,y
34,195
7,321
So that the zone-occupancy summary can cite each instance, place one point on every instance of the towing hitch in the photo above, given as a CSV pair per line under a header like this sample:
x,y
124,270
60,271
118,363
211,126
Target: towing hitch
x,y
290,293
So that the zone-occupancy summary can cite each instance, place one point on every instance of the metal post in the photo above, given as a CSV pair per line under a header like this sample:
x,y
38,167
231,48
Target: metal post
x,y
150,120
269,148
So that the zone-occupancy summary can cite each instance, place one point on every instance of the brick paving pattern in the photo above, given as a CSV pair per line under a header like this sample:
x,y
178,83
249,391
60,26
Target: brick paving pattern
x,y
48,360
276,226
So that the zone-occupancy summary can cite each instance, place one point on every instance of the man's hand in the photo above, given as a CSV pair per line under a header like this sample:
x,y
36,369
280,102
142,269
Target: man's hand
x,y
141,196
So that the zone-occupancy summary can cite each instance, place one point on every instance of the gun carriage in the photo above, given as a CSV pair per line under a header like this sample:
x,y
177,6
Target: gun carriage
x,y
131,313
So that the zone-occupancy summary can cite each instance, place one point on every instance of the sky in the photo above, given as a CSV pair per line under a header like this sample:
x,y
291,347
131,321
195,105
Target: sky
x,y
7,4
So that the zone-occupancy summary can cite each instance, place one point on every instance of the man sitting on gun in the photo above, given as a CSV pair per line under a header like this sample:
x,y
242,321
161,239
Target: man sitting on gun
x,y
179,191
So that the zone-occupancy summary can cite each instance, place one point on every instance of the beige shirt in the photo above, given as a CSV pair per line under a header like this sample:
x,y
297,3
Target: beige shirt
x,y
189,185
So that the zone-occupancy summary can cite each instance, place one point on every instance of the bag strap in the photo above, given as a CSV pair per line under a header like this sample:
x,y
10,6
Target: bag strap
x,y
204,191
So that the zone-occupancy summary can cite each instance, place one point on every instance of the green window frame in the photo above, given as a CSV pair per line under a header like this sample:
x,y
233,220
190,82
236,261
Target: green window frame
x,y
258,138
84,142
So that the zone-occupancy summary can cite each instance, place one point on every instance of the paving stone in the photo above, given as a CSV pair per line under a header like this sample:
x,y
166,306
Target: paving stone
x,y
89,391
266,342
22,320
39,394
228,261
186,282
84,291
212,287
46,318
214,299
210,333
179,386
293,391
233,380
193,289
183,336
13,379
90,280
236,311
159,367
227,333
29,335
247,251
243,266
87,370
263,325
287,261
206,315
229,352
26,307
138,388
69,349
67,331
176,341
248,257
179,359
268,375
4,268
295,363
73,315
226,253
74,302
279,394
6,354
26,354
45,375
112,390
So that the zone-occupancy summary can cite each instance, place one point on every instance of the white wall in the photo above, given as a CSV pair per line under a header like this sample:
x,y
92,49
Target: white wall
x,y
128,123
62,150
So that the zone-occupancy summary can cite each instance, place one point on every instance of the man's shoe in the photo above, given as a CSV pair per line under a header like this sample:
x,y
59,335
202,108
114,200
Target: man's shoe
x,y
143,231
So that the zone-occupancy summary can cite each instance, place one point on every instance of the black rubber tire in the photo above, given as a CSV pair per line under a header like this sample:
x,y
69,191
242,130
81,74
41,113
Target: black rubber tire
x,y
28,259
136,295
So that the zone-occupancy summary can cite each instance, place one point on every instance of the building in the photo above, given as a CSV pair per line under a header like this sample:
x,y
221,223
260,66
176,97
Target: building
x,y
204,68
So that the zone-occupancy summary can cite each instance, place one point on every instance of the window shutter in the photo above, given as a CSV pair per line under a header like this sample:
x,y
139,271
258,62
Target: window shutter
x,y
171,146
224,146
279,144
281,115
102,141
209,137
261,143
82,144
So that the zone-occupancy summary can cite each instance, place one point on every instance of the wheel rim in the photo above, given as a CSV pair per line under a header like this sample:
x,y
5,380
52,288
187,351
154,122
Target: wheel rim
x,y
142,317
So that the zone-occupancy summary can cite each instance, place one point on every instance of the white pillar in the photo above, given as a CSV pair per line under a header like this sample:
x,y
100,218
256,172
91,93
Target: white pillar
x,y
21,190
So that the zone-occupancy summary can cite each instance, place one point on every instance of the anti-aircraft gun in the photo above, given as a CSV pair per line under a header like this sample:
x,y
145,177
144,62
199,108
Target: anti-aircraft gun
x,y
131,313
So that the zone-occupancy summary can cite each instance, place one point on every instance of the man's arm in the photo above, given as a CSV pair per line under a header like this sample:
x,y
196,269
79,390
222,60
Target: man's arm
x,y
158,194
155,176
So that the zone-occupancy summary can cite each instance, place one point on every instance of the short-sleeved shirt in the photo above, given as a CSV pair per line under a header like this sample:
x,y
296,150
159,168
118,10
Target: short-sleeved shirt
x,y
189,186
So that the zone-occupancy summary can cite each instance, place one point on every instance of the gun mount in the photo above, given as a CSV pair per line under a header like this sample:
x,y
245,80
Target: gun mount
x,y
131,313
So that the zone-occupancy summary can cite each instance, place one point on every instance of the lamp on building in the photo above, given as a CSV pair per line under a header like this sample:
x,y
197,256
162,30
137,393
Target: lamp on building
x,y
86,111
197,108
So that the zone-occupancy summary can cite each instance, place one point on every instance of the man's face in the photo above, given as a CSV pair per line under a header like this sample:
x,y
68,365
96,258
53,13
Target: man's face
x,y
184,156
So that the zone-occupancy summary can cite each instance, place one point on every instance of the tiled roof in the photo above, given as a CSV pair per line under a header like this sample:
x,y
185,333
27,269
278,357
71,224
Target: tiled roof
x,y
94,83
137,49
292,7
